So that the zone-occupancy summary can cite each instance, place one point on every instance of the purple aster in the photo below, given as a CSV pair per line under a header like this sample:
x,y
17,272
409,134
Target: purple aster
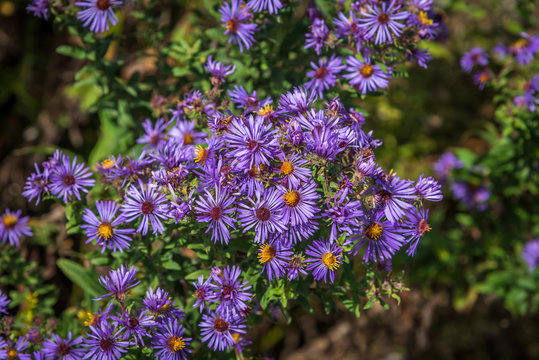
x,y
326,257
530,254
475,196
317,36
251,143
347,25
160,305
215,210
481,78
170,342
421,56
33,335
154,136
235,17
202,291
131,168
474,57
295,267
40,8
104,343
4,302
98,14
216,329
118,282
95,319
15,352
106,167
218,70
343,214
229,290
274,257
36,184
414,228
428,188
136,326
392,197
263,214
105,230
445,164
324,75
68,179
383,22
273,6
146,203
300,204
298,101
250,102
57,348
366,76
13,227
366,168
380,238
185,132
525,48
291,169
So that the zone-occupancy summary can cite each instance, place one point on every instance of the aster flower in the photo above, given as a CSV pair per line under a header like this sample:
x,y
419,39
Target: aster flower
x,y
16,352
57,348
380,238
274,257
185,132
131,168
445,164
133,325
326,258
218,70
472,195
366,76
154,136
235,17
421,56
273,6
13,227
217,329
474,57
300,204
148,204
296,102
324,75
428,188
170,342
381,24
95,319
4,302
525,48
240,97
347,25
295,267
291,169
215,210
317,36
414,228
343,214
530,254
33,335
202,291
160,304
393,195
229,290
118,282
36,184
481,78
98,14
104,343
263,214
69,179
105,230
39,8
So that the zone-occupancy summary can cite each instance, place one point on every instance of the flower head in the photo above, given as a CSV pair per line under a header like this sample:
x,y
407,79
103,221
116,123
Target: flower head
x,y
68,179
365,75
98,14
530,254
216,210
63,349
118,282
274,256
324,74
217,329
146,202
4,302
229,290
474,57
325,259
104,343
235,17
13,227
136,326
382,23
170,342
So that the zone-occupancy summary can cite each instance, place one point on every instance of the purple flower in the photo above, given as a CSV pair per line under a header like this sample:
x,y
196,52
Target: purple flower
x,y
169,341
214,209
291,169
148,203
324,75
474,57
95,319
4,302
272,6
249,102
131,324
105,230
98,14
381,238
295,266
263,214
445,164
317,36
154,135
40,8
530,254
235,17
274,257
57,348
104,343
15,352
525,48
202,291
421,56
393,195
69,179
118,282
229,290
326,258
383,22
300,204
13,227
218,70
481,78
36,184
185,132
297,101
474,196
347,25
343,214
428,188
160,304
366,76
216,329
414,228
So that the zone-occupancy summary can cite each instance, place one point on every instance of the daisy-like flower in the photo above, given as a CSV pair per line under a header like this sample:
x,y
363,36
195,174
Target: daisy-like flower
x,y
68,179
393,195
16,352
215,210
105,230
274,257
154,136
347,25
381,24
297,101
481,78
295,266
317,36
273,6
218,70
445,164
366,76
202,291
146,203
217,329
428,188
136,326
104,343
530,254
160,304
263,214
525,48
473,195
185,132
57,348
474,57
380,238
229,290
118,282
4,302
324,74
98,14
421,56
300,204
415,227
240,97
95,319
170,342
343,214
36,184
235,17
292,170
40,8
325,258
13,227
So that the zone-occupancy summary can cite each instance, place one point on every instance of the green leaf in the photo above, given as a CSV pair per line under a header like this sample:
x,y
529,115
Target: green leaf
x,y
72,51
86,279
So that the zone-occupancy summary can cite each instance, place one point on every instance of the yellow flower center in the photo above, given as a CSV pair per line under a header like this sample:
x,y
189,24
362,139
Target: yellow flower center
x,y
266,253
12,354
188,139
175,343
105,230
484,77
9,220
287,168
292,198
236,337
366,70
201,154
265,111
424,19
107,164
331,262
521,43
423,227
232,25
374,231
